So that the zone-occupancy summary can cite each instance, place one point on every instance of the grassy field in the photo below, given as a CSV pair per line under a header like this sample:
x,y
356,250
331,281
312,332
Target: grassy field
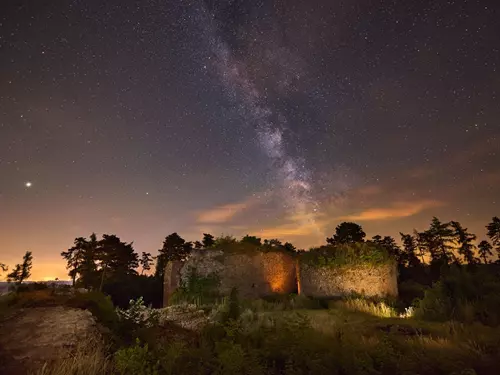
x,y
352,336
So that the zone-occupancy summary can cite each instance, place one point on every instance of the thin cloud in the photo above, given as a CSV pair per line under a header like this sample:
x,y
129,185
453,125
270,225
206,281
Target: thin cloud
x,y
396,210
225,213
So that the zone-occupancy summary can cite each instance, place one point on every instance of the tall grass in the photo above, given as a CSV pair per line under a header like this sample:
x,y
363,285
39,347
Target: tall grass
x,y
378,309
82,362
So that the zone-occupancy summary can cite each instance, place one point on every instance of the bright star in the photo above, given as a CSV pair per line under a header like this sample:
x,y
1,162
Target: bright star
x,y
28,184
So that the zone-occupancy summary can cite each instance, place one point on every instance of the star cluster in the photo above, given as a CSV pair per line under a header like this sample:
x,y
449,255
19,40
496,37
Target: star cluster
x,y
274,118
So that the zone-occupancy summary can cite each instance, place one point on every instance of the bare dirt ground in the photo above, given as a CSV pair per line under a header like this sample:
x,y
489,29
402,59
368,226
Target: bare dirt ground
x,y
33,336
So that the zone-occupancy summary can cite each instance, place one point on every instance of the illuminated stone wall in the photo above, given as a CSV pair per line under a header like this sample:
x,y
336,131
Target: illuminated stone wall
x,y
255,275
331,281
258,274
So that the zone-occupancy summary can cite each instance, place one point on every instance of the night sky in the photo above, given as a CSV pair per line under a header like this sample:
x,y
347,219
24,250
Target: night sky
x,y
274,118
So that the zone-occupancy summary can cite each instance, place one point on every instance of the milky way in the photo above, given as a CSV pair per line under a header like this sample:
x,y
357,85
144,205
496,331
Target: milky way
x,y
270,126
272,118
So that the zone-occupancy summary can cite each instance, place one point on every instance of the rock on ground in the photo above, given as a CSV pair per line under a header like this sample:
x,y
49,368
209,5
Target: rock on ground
x,y
186,316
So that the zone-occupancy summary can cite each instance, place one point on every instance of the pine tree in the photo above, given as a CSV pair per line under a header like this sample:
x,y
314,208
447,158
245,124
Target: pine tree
x,y
22,272
439,238
145,261
174,248
485,251
409,250
116,259
465,242
494,234
208,240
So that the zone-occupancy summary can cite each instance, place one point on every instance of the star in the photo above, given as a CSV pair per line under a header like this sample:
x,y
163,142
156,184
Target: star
x,y
28,184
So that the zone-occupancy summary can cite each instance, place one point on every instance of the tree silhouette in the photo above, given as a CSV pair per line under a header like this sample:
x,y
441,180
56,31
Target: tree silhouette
x,y
485,251
439,238
174,248
389,243
145,261
22,272
198,245
409,251
494,233
421,239
80,259
117,259
3,267
289,247
252,240
208,240
465,241
346,233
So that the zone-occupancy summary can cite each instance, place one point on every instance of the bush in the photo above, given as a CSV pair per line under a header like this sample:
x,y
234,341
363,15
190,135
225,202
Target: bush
x,y
99,305
463,296
138,314
136,360
349,254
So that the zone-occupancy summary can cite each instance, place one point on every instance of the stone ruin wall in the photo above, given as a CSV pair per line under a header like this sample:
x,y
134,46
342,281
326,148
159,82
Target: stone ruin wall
x,y
331,281
259,274
254,275
171,280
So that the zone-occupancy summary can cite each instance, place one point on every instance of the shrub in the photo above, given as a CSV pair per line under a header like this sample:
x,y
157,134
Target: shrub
x,y
138,314
197,290
136,360
347,254
464,296
99,305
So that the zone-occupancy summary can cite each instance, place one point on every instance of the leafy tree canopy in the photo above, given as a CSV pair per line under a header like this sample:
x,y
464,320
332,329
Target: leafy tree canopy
x,y
347,233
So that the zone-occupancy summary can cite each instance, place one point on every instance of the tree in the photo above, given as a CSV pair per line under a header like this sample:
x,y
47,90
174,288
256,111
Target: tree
x,y
3,268
116,259
145,261
465,241
174,248
289,247
389,243
421,241
494,233
81,261
409,252
252,240
208,240
485,251
75,257
198,245
439,238
22,272
346,233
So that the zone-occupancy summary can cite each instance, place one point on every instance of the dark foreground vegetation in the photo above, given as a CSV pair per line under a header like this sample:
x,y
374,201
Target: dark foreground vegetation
x,y
447,332
446,321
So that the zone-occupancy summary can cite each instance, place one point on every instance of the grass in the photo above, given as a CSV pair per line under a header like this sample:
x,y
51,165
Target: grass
x,y
295,335
82,362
